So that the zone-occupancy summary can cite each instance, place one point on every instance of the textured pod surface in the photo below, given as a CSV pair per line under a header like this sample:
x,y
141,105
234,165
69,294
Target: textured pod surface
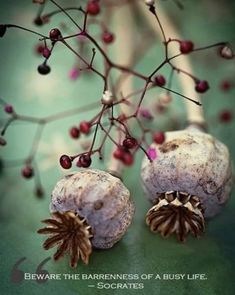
x,y
190,161
101,199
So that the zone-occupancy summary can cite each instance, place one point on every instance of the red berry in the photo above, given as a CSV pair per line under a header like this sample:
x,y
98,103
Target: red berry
x,y
107,37
93,7
226,85
74,132
118,153
128,158
65,162
84,161
129,142
123,155
226,116
186,46
122,117
44,69
39,49
46,52
3,29
55,34
159,137
85,127
9,109
160,80
202,86
27,172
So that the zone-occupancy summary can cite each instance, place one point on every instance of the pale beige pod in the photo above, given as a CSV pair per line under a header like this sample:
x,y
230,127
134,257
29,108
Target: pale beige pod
x,y
190,179
90,208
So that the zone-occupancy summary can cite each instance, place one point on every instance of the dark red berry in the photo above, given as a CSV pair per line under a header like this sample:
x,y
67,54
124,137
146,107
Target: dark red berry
x,y
46,52
55,34
129,142
84,161
107,37
3,29
93,7
27,172
38,21
9,109
65,162
159,137
160,80
74,132
85,127
44,69
186,46
202,86
127,158
2,141
226,116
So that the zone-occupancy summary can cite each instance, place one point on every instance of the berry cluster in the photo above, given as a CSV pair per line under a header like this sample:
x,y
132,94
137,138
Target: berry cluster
x,y
109,123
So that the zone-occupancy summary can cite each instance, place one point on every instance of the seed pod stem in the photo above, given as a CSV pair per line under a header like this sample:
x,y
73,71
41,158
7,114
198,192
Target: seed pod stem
x,y
124,56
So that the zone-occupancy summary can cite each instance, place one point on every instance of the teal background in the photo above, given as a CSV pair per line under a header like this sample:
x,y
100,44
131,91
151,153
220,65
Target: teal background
x,y
139,251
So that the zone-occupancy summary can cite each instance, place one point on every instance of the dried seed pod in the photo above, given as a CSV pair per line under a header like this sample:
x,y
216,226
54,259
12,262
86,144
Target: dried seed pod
x,y
190,180
89,208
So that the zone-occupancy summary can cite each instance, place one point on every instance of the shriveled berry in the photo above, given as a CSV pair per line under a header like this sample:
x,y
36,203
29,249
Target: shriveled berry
x,y
202,86
8,109
3,29
84,161
27,172
226,116
107,37
65,162
85,127
93,7
129,142
186,46
44,69
46,52
226,52
55,34
160,80
159,137
74,132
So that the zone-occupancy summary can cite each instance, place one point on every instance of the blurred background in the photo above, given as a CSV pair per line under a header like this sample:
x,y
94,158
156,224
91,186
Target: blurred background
x,y
205,22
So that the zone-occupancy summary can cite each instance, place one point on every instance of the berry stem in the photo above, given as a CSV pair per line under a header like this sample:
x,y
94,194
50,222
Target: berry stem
x,y
66,13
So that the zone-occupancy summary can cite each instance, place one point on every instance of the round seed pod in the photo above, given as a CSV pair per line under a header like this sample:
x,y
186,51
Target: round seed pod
x,y
190,179
99,206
